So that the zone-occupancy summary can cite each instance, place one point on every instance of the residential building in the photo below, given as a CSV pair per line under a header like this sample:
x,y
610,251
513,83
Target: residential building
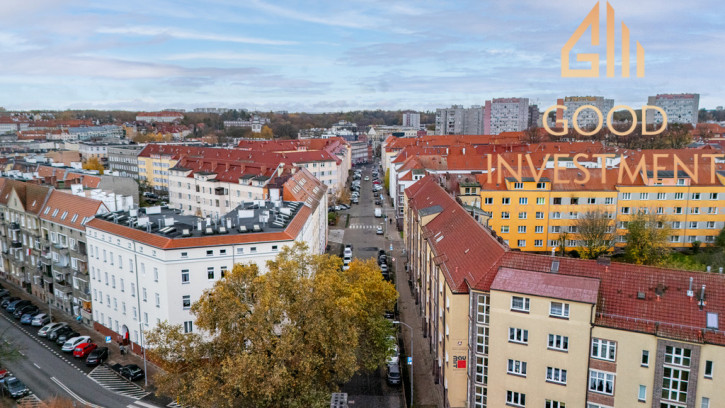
x,y
150,265
505,115
587,118
123,160
95,150
458,120
680,108
509,328
96,132
62,275
166,117
411,119
361,152
534,116
256,123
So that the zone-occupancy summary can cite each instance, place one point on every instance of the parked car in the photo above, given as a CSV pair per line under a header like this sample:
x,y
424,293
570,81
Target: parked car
x,y
97,356
62,338
3,373
344,206
384,269
394,374
348,251
71,344
16,388
394,357
54,334
4,304
355,200
82,350
40,319
379,231
45,330
378,202
4,292
132,372
27,318
367,178
19,312
17,304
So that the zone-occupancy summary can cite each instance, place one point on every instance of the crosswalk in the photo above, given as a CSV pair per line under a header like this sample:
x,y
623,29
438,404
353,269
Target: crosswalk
x,y
363,226
30,401
110,380
141,404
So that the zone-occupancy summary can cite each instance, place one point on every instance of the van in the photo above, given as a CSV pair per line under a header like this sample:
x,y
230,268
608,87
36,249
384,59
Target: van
x,y
378,212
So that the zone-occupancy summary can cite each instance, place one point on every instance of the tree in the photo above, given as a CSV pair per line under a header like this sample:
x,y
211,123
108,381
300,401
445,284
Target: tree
x,y
387,180
596,233
266,133
647,239
284,338
93,164
532,135
720,239
343,197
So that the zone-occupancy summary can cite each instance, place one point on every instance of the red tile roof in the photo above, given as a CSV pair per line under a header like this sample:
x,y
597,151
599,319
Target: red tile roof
x,y
573,288
78,209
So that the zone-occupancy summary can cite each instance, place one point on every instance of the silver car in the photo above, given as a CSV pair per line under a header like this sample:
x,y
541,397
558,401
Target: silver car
x,y
71,344
40,319
45,330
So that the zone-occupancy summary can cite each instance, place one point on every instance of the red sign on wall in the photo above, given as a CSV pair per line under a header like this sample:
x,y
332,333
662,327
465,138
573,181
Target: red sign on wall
x,y
459,361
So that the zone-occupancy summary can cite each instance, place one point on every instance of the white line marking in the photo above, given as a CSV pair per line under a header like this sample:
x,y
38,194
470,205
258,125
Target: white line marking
x,y
37,366
72,394
145,404
21,353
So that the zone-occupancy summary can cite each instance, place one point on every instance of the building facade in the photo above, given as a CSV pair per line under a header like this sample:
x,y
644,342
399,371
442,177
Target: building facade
x,y
587,118
505,115
680,108
411,119
124,160
458,120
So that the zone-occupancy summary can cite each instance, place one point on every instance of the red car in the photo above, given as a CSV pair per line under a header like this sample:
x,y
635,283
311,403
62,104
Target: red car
x,y
84,349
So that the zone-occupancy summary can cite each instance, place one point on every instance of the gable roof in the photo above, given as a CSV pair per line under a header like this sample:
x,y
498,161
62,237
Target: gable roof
x,y
78,209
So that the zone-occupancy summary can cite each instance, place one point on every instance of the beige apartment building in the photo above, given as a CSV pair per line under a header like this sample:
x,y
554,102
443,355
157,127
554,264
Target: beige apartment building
x,y
510,328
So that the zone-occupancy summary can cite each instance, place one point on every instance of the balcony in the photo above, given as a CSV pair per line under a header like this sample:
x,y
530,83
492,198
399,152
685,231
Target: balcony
x,y
14,226
16,244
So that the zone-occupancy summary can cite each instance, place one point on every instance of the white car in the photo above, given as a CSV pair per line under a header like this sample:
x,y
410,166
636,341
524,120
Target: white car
x,y
379,231
43,332
367,178
395,357
348,252
71,344
40,319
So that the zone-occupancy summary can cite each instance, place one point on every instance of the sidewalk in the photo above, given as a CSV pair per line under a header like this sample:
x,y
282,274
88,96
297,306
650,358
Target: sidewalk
x,y
426,393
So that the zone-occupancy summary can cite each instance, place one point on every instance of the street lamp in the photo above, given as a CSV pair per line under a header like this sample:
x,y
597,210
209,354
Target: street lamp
x,y
410,329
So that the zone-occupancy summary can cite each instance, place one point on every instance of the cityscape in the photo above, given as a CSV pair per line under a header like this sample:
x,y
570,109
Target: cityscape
x,y
216,229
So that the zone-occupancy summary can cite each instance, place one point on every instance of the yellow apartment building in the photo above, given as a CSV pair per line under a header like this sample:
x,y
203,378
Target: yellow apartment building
x,y
510,328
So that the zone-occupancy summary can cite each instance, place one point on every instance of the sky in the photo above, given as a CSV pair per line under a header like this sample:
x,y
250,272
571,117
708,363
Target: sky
x,y
329,56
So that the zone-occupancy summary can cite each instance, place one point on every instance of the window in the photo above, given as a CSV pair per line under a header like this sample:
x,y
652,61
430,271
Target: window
x,y
626,196
644,196
482,310
604,349
645,358
558,342
557,200
210,272
601,382
539,229
693,225
481,370
708,369
223,271
184,254
555,229
705,402
540,200
678,210
642,395
521,243
518,186
538,242
539,215
184,276
574,201
522,215
675,224
518,335
156,274
523,201
674,384
488,200
186,302
660,210
482,339
504,229
520,304
158,300
144,294
188,327
695,196
505,215
505,201
516,398
522,229
133,289
556,375
210,252
541,186
679,196
554,404
713,196
675,238
516,367
558,309
608,200
694,210
556,215
625,210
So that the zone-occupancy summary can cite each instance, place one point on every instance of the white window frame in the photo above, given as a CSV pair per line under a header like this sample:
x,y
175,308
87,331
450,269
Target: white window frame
x,y
524,306
562,312
603,349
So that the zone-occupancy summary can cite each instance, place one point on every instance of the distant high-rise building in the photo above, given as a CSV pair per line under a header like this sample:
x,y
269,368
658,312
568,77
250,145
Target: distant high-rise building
x,y
534,116
458,120
505,115
411,119
680,108
587,118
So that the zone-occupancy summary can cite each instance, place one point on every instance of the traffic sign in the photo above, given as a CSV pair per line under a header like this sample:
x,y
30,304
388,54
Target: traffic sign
x,y
391,246
108,339
410,360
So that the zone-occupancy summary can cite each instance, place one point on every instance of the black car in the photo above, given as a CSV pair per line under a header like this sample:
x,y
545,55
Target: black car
x,y
17,304
15,387
53,336
97,356
131,372
8,300
19,312
62,338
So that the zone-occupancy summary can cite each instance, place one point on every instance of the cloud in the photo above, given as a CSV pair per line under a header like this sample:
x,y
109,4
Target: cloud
x,y
149,31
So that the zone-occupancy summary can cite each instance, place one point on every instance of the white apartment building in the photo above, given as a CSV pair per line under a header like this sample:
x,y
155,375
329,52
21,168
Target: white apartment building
x,y
167,117
411,119
150,265
458,120
680,108
587,118
505,115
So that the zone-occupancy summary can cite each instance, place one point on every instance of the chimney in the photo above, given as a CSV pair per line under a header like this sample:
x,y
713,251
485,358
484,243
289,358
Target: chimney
x,y
702,301
709,268
690,293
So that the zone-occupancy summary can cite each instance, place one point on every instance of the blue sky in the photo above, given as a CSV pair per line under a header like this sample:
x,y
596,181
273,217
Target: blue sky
x,y
338,55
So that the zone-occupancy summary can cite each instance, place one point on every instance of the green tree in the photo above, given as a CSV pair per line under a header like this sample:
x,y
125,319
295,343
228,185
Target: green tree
x,y
720,239
285,338
647,239
596,233
387,180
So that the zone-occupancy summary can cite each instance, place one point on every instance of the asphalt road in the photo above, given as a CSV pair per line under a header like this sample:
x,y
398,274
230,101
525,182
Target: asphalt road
x,y
369,390
43,369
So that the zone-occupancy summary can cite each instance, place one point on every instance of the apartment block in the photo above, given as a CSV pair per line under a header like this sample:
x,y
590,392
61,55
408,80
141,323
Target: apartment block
x,y
123,160
411,119
680,108
505,115
587,118
150,265
458,120
510,328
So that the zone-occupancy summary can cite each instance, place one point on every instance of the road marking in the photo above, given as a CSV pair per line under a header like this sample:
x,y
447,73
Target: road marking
x,y
21,353
144,404
37,366
72,394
